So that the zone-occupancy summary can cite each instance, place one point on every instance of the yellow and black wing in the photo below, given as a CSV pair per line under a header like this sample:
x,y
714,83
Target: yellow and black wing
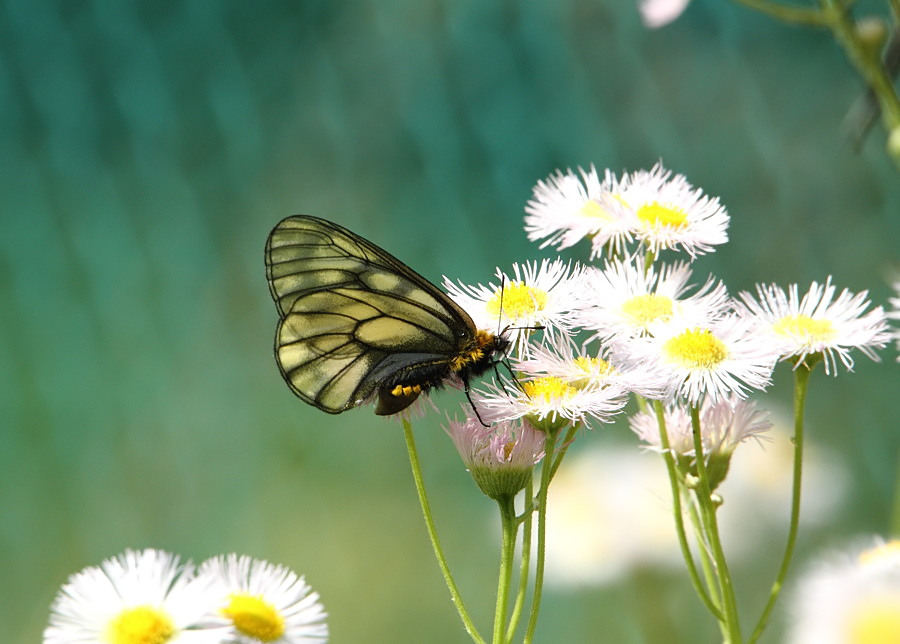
x,y
356,322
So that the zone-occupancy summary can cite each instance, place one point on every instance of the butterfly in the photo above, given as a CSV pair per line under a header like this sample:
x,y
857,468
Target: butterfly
x,y
357,324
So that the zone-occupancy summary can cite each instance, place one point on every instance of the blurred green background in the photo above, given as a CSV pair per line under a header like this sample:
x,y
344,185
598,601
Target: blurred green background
x,y
149,147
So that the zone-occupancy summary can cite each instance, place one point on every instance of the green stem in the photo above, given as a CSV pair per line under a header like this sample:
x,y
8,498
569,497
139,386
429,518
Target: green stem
x,y
711,525
677,512
704,553
563,448
867,63
787,13
432,534
509,529
549,443
801,386
524,564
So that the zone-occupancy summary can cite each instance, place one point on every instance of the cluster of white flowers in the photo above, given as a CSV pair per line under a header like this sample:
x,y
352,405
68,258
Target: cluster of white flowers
x,y
586,337
151,597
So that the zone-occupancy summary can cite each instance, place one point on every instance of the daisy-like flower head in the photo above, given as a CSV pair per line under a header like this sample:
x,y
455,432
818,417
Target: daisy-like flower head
x,y
627,301
500,457
711,360
145,597
818,324
545,295
262,602
853,596
583,369
669,213
550,394
723,426
565,208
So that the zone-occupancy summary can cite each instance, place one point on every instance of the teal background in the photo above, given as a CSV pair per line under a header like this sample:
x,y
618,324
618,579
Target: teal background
x,y
147,149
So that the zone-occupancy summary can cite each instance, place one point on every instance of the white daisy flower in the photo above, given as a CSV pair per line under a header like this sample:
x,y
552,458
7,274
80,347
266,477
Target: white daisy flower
x,y
559,358
550,401
264,602
565,209
500,457
818,323
713,360
135,598
852,596
669,213
628,301
723,425
546,295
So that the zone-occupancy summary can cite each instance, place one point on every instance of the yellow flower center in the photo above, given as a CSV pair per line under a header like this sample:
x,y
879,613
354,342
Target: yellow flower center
x,y
592,210
518,300
140,625
696,349
656,214
876,622
548,389
255,617
803,326
647,308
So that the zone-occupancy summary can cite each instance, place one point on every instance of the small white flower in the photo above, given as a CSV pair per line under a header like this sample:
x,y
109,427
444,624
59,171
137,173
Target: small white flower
x,y
565,209
545,295
549,399
137,597
851,596
669,213
627,301
559,358
263,602
723,426
818,323
713,360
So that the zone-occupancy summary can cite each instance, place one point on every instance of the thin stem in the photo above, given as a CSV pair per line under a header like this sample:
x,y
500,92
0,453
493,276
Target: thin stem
x,y
549,443
525,564
432,534
867,63
801,386
677,512
708,513
787,13
705,560
563,448
509,528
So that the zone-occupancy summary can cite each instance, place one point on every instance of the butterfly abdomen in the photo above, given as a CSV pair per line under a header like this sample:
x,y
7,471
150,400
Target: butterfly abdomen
x,y
475,357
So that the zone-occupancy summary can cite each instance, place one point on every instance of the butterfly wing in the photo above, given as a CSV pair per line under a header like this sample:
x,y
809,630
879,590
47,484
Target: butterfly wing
x,y
352,315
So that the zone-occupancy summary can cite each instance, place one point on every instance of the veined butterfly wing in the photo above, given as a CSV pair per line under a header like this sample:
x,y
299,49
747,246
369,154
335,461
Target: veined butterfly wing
x,y
356,321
